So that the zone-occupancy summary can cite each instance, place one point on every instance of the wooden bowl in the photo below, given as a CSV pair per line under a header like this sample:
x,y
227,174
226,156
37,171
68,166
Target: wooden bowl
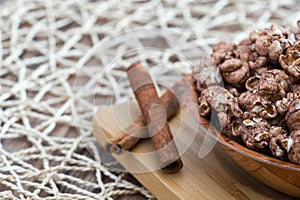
x,y
280,175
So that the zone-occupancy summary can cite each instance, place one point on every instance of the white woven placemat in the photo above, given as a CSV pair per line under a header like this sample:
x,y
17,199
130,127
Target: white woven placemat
x,y
52,58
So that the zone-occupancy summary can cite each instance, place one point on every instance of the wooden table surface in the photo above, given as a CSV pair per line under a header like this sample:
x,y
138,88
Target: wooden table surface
x,y
215,176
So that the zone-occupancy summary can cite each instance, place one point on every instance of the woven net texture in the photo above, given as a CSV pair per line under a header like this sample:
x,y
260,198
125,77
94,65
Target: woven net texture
x,y
62,60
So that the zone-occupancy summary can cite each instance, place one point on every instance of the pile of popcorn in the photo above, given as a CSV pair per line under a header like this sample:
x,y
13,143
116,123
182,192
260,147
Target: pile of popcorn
x,y
258,102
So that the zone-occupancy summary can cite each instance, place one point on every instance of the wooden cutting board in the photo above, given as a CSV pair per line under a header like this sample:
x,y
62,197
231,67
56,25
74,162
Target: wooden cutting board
x,y
216,176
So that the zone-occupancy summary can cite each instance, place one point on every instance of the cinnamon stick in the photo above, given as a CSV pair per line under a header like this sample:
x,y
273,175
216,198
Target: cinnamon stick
x,y
131,135
155,118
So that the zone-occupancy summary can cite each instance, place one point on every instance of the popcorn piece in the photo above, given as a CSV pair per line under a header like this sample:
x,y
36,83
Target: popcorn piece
x,y
293,147
256,106
235,72
223,51
293,115
272,85
224,103
290,62
272,42
206,74
255,133
220,100
278,142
